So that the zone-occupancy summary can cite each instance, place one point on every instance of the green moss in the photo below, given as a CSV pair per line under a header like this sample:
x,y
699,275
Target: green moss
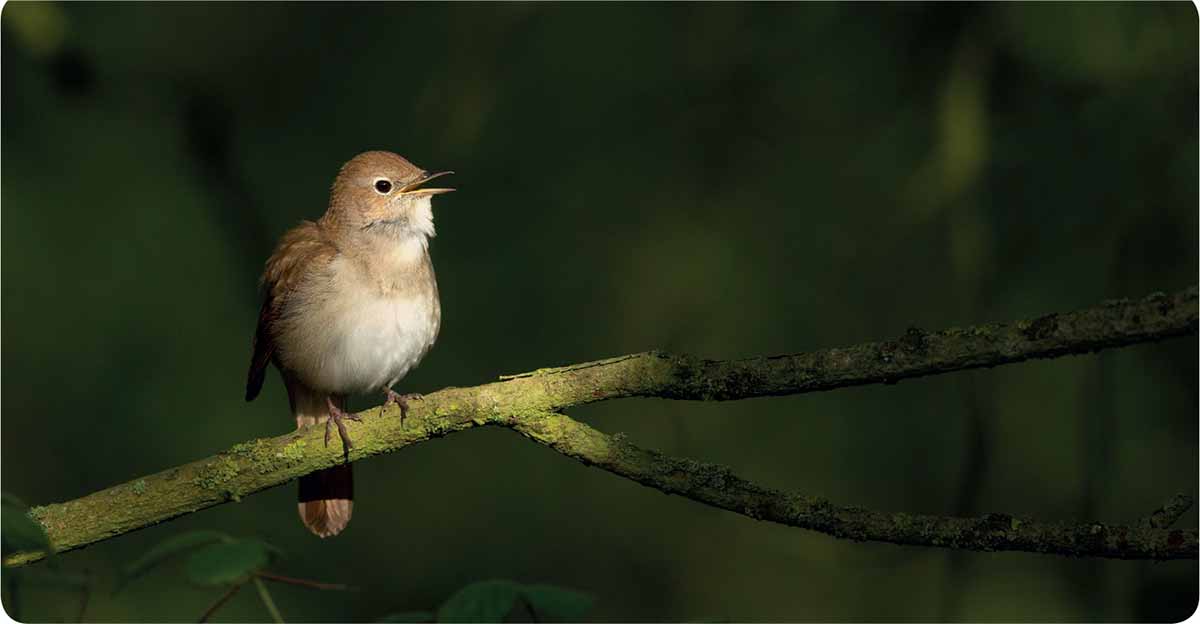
x,y
255,450
215,474
139,487
293,452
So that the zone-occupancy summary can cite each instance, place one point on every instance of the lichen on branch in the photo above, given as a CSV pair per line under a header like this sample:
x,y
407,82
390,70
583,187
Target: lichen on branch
x,y
531,403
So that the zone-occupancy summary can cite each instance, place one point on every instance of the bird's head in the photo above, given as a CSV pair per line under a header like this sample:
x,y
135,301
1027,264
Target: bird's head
x,y
382,193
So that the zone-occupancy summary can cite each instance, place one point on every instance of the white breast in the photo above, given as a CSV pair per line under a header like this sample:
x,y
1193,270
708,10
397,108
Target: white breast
x,y
377,342
355,338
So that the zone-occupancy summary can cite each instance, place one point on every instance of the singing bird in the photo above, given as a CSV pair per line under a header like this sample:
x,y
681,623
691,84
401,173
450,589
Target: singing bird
x,y
351,306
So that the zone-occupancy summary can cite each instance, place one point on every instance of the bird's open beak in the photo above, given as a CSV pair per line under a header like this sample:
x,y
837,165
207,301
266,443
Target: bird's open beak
x,y
415,188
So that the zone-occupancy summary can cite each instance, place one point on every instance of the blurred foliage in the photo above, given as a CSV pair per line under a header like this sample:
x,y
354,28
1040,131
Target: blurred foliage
x,y
726,180
18,531
228,563
215,560
161,553
500,601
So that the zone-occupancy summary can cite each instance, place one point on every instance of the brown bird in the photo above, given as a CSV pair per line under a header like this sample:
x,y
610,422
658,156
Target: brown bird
x,y
351,306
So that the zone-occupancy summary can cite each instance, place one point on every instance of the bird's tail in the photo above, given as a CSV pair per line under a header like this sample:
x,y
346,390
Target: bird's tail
x,y
326,496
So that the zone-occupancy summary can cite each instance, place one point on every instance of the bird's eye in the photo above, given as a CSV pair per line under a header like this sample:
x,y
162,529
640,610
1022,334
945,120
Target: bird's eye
x,y
383,186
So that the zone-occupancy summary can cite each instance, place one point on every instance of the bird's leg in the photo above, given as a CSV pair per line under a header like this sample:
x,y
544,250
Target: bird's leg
x,y
391,396
336,415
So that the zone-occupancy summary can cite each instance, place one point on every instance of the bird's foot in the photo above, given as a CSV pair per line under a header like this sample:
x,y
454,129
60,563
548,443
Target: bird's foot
x,y
336,416
401,400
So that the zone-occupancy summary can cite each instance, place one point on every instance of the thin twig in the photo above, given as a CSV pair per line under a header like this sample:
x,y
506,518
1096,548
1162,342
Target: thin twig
x,y
1171,511
85,598
220,602
279,578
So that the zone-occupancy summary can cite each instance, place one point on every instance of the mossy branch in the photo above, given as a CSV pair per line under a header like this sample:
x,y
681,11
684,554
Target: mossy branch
x,y
530,403
718,486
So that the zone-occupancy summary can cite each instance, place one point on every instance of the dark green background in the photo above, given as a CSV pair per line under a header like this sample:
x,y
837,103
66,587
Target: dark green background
x,y
726,180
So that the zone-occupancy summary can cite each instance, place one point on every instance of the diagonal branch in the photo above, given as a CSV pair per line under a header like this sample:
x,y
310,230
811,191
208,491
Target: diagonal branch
x,y
916,354
717,486
528,403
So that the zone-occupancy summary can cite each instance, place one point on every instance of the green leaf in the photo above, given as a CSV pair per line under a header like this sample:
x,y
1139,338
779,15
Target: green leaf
x,y
18,531
492,601
165,550
557,603
486,601
227,563
408,616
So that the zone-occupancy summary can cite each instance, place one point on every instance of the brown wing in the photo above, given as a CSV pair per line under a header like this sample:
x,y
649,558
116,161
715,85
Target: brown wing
x,y
301,249
262,348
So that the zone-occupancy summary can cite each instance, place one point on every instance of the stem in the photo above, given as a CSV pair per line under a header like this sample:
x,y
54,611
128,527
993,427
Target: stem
x,y
279,578
83,602
220,602
266,598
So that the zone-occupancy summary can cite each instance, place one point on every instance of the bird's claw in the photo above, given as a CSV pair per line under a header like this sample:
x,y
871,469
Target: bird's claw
x,y
336,416
401,400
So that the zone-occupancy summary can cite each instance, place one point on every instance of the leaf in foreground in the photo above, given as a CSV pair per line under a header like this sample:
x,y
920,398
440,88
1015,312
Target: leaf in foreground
x,y
165,550
550,602
227,563
492,601
485,601
408,616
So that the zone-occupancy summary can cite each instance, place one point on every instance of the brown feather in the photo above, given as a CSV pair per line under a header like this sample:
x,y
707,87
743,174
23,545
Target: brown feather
x,y
261,350
350,305
326,500
301,250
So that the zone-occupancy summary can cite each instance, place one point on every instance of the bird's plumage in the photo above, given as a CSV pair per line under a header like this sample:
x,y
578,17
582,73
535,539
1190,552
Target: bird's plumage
x,y
302,250
351,306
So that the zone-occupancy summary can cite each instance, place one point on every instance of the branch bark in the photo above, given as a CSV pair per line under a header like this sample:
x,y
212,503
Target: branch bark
x,y
718,486
530,403
1171,511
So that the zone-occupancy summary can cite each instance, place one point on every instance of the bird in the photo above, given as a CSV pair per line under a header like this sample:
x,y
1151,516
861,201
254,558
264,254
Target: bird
x,y
350,306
